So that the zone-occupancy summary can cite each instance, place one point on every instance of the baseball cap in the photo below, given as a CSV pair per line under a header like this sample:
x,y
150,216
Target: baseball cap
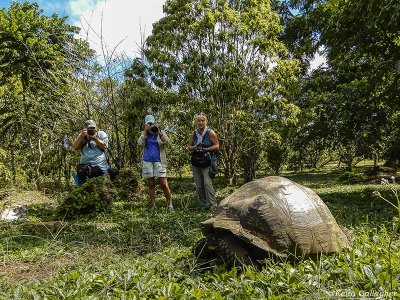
x,y
149,119
90,123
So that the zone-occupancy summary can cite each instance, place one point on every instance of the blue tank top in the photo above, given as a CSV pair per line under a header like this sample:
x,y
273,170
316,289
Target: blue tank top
x,y
151,149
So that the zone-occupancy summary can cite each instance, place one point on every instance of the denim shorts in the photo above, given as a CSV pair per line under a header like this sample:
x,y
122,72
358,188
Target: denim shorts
x,y
153,169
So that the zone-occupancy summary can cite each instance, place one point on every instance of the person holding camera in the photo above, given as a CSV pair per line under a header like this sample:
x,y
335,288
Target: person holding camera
x,y
154,160
93,145
203,143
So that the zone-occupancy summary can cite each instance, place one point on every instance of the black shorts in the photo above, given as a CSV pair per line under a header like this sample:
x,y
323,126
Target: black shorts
x,y
87,171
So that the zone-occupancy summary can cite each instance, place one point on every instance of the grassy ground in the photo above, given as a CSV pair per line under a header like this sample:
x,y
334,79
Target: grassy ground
x,y
132,252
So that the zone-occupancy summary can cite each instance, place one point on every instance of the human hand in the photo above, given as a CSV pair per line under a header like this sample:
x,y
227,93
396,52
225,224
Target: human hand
x,y
146,129
83,133
91,137
199,149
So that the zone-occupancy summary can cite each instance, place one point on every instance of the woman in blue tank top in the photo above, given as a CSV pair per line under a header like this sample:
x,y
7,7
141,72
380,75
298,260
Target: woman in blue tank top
x,y
154,160
202,143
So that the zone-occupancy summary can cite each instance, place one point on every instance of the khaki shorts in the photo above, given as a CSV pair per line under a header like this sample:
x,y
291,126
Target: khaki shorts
x,y
153,169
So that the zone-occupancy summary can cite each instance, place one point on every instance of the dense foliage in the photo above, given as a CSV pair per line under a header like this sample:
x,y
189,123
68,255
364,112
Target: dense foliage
x,y
351,104
35,59
245,63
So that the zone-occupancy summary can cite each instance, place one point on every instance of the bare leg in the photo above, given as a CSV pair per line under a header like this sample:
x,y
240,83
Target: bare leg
x,y
152,190
166,190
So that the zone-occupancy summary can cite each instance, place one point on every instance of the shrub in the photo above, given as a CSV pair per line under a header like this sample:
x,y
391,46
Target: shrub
x,y
93,196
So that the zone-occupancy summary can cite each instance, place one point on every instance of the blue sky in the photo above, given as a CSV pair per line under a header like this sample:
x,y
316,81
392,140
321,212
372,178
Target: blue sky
x,y
120,23
61,7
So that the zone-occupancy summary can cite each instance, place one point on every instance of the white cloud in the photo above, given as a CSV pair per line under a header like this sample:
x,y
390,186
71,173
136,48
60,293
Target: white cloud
x,y
82,5
120,23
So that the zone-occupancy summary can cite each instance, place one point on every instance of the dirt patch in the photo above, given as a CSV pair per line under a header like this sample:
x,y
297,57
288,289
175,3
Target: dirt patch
x,y
25,197
13,198
16,272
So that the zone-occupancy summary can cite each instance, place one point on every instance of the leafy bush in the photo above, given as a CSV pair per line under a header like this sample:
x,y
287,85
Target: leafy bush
x,y
93,196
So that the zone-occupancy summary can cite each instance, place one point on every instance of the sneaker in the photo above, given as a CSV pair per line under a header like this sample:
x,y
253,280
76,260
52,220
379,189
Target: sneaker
x,y
170,207
153,207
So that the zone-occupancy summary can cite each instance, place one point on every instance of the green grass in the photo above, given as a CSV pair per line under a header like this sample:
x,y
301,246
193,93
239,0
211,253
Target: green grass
x,y
131,252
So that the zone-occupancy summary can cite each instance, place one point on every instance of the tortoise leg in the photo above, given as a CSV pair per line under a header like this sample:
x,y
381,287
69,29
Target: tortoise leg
x,y
233,251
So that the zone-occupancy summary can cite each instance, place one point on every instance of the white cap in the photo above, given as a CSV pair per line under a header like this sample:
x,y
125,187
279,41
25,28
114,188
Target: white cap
x,y
149,119
90,123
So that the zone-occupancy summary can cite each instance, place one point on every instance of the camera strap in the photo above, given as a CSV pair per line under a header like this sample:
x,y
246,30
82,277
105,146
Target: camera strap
x,y
86,141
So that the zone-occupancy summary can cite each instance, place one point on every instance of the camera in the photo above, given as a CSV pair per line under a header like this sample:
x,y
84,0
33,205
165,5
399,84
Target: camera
x,y
153,128
91,131
199,147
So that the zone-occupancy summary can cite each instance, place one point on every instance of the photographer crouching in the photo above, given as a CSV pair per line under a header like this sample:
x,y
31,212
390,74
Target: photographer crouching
x,y
93,145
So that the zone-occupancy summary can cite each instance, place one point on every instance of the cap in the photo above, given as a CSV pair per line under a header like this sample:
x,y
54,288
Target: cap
x,y
90,123
149,119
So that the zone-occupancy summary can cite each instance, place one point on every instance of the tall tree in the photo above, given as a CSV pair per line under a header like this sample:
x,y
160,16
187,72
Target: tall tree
x,y
361,42
34,58
226,57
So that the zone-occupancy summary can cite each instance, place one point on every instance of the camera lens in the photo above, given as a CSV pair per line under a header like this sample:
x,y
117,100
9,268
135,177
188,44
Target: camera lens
x,y
153,129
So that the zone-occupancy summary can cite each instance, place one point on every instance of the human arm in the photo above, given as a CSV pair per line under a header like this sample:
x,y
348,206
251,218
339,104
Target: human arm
x,y
163,137
101,143
77,144
191,146
100,138
143,135
215,142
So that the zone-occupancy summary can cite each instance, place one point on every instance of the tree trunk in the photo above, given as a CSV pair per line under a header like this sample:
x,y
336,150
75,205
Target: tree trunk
x,y
394,155
229,162
375,155
38,163
13,169
249,172
229,173
249,163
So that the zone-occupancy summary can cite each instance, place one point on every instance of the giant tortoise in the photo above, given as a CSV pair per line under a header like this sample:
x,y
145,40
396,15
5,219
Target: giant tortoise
x,y
272,217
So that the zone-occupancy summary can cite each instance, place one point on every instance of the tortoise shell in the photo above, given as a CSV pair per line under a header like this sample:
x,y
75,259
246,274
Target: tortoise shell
x,y
278,216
